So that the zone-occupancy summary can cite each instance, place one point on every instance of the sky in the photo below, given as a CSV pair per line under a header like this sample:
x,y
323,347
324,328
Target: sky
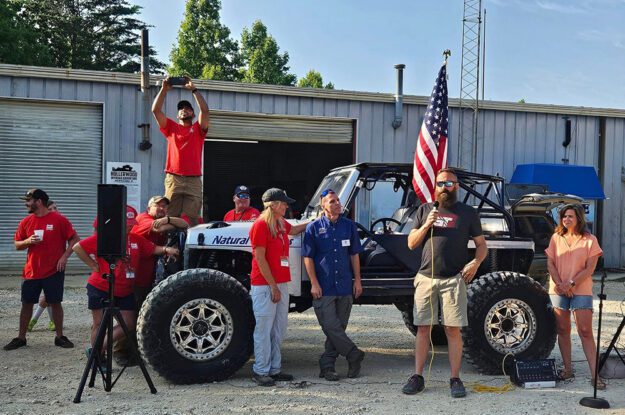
x,y
565,52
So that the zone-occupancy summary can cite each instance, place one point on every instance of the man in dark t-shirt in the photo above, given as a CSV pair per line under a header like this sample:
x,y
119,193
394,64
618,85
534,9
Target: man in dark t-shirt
x,y
443,234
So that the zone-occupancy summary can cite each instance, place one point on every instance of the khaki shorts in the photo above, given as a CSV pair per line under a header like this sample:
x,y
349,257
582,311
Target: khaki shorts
x,y
185,196
450,293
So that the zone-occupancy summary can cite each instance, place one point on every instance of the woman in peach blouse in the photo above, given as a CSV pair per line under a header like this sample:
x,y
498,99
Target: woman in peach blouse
x,y
572,257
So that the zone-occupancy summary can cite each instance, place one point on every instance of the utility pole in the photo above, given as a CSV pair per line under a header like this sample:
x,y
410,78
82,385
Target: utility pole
x,y
469,84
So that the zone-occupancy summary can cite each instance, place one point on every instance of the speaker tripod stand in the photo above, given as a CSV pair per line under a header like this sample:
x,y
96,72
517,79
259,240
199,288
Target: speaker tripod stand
x,y
105,331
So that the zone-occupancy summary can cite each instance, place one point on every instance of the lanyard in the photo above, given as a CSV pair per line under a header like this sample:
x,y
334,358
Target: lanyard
x,y
240,217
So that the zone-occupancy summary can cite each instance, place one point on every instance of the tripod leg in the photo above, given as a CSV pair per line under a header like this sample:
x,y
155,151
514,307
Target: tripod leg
x,y
91,362
134,353
612,345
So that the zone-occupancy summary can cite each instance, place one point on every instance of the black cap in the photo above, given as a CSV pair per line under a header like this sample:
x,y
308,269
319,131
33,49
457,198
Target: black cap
x,y
36,194
185,104
241,189
276,195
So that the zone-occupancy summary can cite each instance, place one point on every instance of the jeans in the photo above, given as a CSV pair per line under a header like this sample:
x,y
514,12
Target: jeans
x,y
271,322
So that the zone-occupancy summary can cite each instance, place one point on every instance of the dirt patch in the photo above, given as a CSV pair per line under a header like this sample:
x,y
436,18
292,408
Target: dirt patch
x,y
42,378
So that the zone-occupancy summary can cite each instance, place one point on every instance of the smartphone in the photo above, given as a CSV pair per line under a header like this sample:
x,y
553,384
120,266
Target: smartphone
x,y
177,80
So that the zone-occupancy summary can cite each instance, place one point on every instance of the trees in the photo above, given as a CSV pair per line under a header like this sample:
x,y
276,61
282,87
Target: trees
x,y
313,79
263,64
87,34
18,41
204,48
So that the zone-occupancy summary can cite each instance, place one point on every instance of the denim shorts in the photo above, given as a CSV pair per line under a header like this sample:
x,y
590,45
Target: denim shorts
x,y
577,302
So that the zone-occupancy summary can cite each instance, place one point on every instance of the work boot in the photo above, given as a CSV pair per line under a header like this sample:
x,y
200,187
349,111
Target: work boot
x,y
329,373
354,360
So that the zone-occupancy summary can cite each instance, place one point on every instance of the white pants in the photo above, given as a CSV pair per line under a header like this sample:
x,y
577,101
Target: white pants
x,y
271,322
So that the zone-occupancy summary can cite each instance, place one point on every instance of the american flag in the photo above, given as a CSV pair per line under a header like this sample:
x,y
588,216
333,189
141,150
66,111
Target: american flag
x,y
431,153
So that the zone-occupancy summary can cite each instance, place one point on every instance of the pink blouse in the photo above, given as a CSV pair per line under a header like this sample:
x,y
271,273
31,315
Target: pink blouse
x,y
570,260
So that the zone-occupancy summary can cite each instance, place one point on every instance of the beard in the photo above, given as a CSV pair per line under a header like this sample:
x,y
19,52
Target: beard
x,y
447,198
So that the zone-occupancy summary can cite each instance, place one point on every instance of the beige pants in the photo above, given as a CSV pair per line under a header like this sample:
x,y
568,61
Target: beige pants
x,y
185,196
450,293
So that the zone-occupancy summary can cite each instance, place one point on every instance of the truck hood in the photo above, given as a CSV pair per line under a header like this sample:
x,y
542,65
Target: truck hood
x,y
227,235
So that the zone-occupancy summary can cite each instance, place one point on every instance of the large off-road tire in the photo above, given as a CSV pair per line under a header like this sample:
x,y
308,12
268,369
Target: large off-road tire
x,y
196,326
508,313
439,338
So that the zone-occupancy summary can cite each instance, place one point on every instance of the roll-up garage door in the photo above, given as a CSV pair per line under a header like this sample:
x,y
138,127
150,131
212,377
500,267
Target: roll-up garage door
x,y
264,127
53,146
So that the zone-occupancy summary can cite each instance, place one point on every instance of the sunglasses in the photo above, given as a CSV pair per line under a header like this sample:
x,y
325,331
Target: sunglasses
x,y
242,195
448,183
327,192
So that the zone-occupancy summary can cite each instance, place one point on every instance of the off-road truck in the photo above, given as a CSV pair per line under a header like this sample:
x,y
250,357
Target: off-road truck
x,y
197,323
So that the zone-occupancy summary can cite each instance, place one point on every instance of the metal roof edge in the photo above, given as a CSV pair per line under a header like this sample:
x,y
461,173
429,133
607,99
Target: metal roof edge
x,y
226,86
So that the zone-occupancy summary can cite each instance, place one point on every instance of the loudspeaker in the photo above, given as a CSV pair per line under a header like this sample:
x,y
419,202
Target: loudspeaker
x,y
111,221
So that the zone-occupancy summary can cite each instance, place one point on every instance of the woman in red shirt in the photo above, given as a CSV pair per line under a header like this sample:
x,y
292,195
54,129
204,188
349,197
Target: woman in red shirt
x,y
572,257
269,279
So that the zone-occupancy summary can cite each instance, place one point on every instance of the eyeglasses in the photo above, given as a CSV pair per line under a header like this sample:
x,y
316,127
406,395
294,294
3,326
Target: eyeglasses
x,y
448,183
327,192
242,195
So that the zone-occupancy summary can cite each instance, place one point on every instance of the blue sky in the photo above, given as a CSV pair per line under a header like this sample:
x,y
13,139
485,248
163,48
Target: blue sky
x,y
568,52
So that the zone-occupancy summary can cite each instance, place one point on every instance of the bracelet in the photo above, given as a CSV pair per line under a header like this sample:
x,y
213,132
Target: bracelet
x,y
194,90
164,250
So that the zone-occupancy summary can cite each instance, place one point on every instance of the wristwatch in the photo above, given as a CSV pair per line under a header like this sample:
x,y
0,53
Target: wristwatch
x,y
572,283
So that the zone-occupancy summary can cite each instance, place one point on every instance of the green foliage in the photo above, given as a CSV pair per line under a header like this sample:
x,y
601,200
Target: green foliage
x,y
263,64
18,41
313,79
521,101
204,48
88,34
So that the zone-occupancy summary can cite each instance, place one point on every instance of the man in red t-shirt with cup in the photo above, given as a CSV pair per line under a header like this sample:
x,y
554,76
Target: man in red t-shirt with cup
x,y
48,237
185,146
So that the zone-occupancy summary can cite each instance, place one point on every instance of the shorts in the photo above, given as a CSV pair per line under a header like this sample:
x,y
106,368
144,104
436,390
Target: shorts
x,y
97,299
577,302
52,287
450,293
184,194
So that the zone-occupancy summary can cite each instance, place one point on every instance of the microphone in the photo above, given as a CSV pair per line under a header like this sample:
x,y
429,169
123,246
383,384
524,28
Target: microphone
x,y
436,206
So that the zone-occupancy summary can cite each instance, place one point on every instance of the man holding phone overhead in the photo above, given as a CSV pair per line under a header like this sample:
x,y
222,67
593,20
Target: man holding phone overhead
x,y
185,144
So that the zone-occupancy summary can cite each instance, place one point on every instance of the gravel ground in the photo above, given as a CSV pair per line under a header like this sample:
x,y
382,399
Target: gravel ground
x,y
42,378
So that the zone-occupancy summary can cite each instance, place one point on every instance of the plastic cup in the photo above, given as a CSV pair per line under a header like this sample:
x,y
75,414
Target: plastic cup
x,y
39,233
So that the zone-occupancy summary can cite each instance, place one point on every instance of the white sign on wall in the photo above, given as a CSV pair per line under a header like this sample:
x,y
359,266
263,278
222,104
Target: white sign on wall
x,y
128,174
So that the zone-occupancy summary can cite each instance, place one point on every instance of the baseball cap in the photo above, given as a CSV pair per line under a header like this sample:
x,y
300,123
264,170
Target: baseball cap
x,y
241,189
154,200
131,217
184,104
276,195
36,194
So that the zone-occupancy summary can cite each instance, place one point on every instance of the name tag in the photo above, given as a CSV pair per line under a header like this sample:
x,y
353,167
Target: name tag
x,y
345,242
49,227
134,246
322,231
284,261
130,275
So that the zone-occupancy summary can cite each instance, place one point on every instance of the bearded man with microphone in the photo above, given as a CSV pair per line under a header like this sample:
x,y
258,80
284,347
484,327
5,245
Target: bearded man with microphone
x,y
443,230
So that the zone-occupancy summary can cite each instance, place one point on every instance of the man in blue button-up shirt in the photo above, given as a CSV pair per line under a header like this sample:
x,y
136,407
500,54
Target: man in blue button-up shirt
x,y
330,249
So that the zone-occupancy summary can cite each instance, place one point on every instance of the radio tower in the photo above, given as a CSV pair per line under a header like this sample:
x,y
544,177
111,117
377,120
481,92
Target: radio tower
x,y
469,84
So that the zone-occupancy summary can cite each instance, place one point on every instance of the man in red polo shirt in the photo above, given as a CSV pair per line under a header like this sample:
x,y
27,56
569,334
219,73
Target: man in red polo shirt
x,y
185,146
137,247
48,237
242,210
153,225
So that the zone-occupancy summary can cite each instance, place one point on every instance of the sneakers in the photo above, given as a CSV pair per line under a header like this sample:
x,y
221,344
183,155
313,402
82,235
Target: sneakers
x,y
31,324
457,388
16,343
63,342
329,374
282,377
51,326
353,363
262,380
415,384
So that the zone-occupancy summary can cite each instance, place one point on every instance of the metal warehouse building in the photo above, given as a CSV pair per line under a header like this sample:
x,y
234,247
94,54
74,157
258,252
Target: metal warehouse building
x,y
59,128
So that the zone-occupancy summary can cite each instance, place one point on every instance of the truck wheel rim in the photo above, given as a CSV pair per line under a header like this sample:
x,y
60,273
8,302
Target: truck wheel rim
x,y
201,329
510,326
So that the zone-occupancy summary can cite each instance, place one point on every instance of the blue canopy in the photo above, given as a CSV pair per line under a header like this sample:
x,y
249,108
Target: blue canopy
x,y
581,181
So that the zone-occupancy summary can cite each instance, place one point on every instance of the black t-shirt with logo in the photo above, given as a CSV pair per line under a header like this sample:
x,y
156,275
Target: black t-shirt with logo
x,y
452,230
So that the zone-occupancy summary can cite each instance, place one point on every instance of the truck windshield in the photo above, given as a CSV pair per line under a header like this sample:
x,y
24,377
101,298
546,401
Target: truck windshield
x,y
341,182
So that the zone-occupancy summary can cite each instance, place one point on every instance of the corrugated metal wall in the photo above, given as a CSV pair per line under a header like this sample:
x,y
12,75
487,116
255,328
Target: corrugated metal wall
x,y
507,137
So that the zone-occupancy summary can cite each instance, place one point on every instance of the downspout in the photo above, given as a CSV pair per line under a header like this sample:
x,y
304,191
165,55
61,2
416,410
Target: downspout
x,y
145,92
399,96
